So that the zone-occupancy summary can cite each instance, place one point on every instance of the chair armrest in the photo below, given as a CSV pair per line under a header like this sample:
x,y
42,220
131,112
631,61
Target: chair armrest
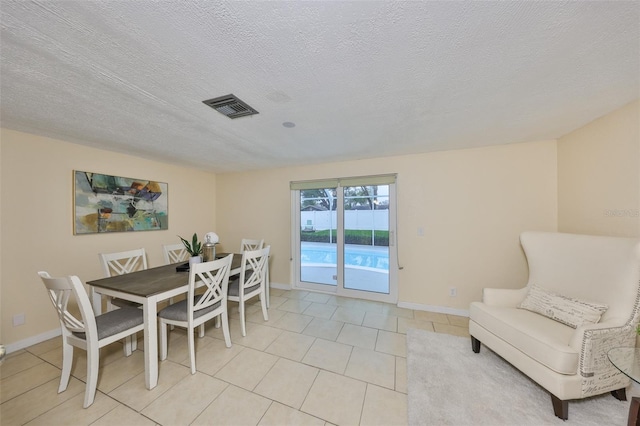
x,y
504,297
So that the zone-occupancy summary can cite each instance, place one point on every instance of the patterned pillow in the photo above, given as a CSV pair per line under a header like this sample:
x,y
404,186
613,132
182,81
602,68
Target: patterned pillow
x,y
569,311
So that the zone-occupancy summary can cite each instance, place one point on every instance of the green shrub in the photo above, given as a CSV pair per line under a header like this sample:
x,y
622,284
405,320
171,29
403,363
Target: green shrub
x,y
351,236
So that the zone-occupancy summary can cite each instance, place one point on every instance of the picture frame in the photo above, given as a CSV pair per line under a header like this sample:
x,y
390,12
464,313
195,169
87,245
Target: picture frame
x,y
105,203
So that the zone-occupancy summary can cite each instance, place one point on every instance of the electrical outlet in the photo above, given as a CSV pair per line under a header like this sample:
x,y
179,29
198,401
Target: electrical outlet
x,y
453,292
18,320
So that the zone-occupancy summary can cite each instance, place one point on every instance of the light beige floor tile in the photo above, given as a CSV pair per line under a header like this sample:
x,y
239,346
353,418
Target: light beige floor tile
x,y
276,292
29,405
296,294
115,374
317,297
297,306
372,367
287,382
323,328
401,374
275,301
274,315
123,415
215,356
384,407
217,333
356,335
431,316
68,414
405,323
452,329
348,314
259,337
458,320
381,321
281,415
335,398
46,346
328,355
18,363
392,343
78,367
181,404
135,394
178,348
370,306
290,345
28,379
247,368
293,322
398,312
235,406
320,310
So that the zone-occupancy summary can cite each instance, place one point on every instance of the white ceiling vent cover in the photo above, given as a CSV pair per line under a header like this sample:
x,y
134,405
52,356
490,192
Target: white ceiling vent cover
x,y
230,106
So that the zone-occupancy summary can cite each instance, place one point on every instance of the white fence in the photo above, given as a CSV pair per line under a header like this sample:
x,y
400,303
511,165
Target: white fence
x,y
353,219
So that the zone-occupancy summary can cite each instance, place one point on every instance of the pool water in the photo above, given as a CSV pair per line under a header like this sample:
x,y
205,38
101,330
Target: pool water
x,y
355,256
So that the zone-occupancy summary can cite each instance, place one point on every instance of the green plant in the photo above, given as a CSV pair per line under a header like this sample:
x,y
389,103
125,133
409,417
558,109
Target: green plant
x,y
195,247
638,329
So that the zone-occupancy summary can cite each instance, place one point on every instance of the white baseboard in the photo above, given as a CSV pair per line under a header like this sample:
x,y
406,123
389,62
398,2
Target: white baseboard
x,y
432,308
279,286
33,340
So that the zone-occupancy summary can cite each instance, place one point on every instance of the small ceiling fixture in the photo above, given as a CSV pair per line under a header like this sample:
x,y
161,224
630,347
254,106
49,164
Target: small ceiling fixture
x,y
230,106
289,124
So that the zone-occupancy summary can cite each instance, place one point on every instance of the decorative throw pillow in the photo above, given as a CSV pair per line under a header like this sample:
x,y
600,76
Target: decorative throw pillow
x,y
567,310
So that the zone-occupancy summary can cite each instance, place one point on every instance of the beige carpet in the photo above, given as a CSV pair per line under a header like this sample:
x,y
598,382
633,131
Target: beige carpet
x,y
450,385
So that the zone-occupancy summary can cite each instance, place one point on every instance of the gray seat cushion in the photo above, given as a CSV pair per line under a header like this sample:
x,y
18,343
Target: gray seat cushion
x,y
235,284
121,303
113,322
178,311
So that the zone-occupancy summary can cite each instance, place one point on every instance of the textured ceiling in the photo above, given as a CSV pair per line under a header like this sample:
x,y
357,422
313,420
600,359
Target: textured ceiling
x,y
359,79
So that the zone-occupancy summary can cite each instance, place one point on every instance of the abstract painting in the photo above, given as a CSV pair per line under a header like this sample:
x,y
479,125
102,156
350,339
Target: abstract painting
x,y
105,203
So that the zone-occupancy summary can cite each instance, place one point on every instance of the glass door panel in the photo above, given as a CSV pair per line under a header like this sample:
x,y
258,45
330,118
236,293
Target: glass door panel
x,y
318,250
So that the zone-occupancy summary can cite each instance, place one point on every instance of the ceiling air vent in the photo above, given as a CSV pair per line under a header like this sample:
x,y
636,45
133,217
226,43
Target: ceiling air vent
x,y
230,106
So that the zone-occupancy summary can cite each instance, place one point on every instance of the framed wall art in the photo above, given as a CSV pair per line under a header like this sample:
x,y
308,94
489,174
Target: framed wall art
x,y
105,203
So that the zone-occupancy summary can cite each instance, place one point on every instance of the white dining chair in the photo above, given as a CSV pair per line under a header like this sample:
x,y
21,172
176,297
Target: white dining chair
x,y
175,253
89,333
119,263
195,310
251,282
249,244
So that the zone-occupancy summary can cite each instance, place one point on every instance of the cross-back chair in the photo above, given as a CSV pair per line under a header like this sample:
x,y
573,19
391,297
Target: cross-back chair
x,y
175,253
90,332
196,309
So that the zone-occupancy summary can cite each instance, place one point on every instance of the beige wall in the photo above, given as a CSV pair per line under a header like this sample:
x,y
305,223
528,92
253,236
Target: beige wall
x,y
37,225
599,176
472,204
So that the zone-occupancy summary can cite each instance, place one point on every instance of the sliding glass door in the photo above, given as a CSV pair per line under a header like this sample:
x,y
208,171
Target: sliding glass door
x,y
344,237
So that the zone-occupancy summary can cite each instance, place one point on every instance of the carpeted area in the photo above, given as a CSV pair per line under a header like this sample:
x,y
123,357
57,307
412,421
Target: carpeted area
x,y
448,384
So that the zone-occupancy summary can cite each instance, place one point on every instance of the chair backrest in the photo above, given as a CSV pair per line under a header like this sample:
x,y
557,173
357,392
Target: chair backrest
x,y
592,268
174,253
254,267
248,244
60,292
123,262
215,277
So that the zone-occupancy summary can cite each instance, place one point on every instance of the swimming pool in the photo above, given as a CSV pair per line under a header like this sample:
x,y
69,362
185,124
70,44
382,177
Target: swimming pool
x,y
365,257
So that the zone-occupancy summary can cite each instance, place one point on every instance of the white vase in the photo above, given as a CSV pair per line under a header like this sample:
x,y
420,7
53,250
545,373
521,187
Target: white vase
x,y
195,259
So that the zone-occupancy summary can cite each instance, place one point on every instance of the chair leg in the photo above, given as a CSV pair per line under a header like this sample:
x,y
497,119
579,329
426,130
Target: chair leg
x,y
192,351
93,356
127,346
201,331
163,341
263,302
67,362
134,341
560,407
225,329
242,322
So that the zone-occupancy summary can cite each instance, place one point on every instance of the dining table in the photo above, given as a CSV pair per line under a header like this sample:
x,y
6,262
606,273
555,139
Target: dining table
x,y
148,287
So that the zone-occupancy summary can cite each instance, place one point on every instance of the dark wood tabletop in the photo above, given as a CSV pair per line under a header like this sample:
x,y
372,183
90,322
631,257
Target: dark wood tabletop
x,y
156,280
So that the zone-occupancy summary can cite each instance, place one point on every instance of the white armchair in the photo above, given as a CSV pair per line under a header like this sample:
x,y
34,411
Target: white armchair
x,y
569,362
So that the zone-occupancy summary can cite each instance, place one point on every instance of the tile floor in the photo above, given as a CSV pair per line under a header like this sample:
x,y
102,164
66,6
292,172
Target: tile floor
x,y
319,360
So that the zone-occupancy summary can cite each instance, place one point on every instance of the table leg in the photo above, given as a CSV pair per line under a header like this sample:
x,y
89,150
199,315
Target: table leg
x,y
150,307
97,301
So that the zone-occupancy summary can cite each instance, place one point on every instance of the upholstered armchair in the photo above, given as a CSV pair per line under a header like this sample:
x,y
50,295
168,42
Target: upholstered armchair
x,y
582,299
